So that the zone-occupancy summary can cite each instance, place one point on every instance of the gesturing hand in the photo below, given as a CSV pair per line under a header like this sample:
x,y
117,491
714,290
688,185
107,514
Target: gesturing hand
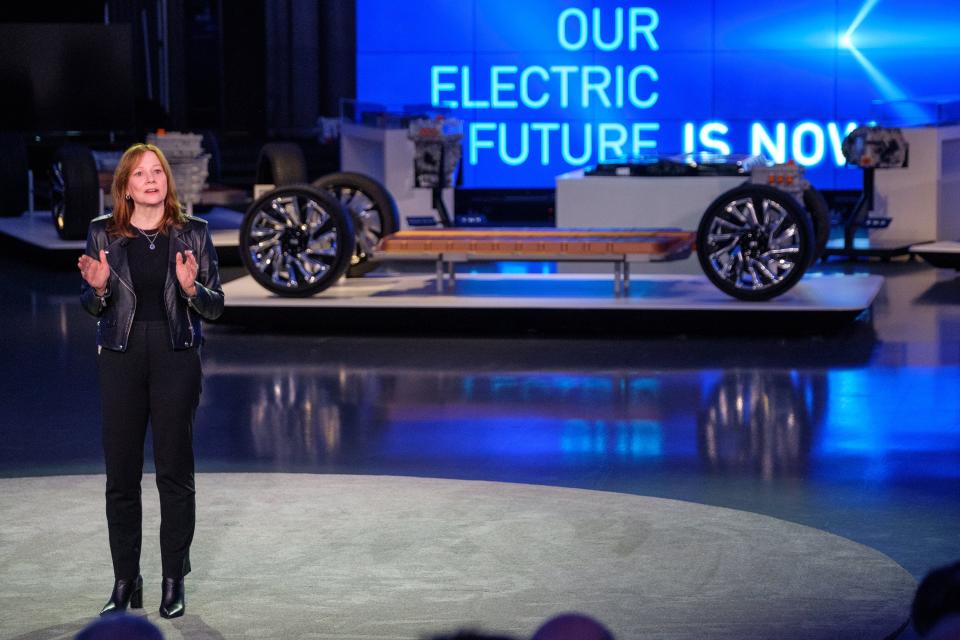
x,y
187,272
95,272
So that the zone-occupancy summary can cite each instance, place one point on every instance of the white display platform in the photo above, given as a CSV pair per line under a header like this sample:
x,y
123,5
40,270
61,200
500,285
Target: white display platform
x,y
938,247
942,254
36,229
814,293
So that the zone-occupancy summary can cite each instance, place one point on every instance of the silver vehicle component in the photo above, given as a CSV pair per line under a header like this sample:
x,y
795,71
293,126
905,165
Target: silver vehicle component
x,y
876,148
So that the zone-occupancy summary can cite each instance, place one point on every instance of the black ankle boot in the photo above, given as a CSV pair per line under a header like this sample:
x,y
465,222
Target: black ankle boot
x,y
174,601
126,593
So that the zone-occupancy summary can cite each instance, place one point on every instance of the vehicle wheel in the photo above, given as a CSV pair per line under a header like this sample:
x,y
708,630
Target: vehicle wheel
x,y
74,191
754,242
281,164
13,175
372,208
816,206
296,241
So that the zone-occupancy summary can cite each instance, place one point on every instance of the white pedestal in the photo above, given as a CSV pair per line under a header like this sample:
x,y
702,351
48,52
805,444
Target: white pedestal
x,y
386,155
923,199
624,201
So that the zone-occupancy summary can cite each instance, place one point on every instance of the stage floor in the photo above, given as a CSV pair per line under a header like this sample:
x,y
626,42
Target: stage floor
x,y
381,557
541,299
851,433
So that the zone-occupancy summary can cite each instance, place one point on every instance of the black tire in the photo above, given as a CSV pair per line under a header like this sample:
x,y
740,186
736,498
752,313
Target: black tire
x,y
750,255
296,241
816,205
372,208
13,175
281,164
74,191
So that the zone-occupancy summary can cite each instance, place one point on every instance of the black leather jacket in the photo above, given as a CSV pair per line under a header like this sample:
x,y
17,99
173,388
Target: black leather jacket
x,y
116,309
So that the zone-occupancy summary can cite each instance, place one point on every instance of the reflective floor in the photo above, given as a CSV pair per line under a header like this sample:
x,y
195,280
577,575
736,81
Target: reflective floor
x,y
856,432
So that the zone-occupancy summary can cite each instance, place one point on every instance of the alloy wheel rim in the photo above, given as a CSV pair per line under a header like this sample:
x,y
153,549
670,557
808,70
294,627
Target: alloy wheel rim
x,y
292,241
753,243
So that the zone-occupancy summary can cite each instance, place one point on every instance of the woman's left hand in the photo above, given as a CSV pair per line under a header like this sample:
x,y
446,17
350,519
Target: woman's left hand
x,y
187,272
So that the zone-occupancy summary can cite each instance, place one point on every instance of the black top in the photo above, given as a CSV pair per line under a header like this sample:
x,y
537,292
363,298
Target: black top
x,y
148,270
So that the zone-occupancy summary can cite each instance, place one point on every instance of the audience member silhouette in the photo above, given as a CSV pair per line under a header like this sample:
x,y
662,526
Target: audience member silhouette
x,y
119,626
572,626
470,634
566,626
947,629
936,605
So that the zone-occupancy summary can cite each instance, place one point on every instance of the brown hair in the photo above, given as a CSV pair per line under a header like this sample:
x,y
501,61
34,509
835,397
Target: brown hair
x,y
119,224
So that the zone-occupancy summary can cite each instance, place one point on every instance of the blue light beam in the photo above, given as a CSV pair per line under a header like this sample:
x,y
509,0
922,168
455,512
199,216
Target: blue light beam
x,y
909,112
846,40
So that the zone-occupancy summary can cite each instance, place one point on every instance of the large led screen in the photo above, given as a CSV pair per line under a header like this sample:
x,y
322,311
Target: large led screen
x,y
546,86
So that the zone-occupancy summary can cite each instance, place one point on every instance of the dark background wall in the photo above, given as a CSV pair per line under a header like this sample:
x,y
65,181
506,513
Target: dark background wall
x,y
266,68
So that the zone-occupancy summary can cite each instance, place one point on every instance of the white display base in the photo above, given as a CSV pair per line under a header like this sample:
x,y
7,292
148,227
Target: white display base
x,y
937,247
36,229
814,293
943,254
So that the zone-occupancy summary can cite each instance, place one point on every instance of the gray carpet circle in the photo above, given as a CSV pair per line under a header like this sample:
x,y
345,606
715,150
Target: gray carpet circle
x,y
336,556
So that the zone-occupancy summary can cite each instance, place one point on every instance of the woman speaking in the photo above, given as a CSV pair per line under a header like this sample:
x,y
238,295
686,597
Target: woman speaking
x,y
150,274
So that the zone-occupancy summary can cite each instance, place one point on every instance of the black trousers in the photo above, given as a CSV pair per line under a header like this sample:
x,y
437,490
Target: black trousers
x,y
150,382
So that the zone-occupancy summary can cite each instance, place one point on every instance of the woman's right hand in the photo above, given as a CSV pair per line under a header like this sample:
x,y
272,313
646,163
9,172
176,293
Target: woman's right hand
x,y
95,272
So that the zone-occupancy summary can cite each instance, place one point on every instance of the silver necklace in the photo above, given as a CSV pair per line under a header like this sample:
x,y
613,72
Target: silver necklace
x,y
150,238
